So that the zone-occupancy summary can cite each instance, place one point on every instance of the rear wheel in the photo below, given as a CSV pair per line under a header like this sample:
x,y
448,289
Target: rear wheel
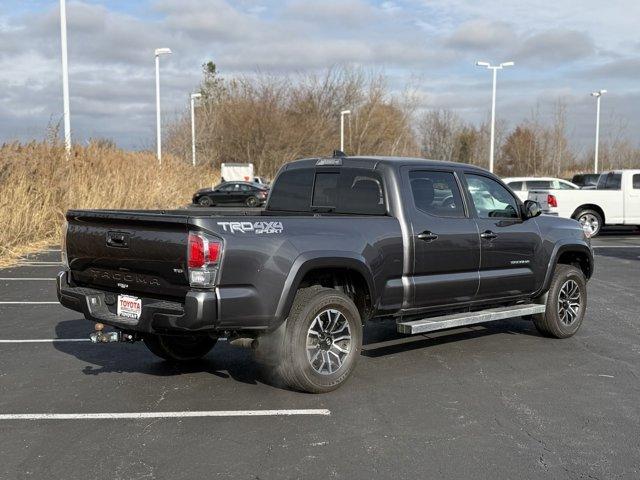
x,y
566,303
205,202
591,221
251,202
318,346
179,348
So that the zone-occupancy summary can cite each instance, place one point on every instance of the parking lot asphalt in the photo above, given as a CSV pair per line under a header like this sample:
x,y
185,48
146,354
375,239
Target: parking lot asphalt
x,y
494,401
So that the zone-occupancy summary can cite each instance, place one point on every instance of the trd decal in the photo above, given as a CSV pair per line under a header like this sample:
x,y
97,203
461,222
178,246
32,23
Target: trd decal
x,y
252,227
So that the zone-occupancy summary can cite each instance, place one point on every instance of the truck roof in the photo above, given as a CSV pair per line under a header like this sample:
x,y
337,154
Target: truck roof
x,y
371,162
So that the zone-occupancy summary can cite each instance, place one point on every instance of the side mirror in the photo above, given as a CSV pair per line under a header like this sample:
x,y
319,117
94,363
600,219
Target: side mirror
x,y
531,209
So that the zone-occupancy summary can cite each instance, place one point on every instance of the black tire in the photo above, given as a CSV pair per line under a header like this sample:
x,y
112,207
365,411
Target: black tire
x,y
287,347
251,202
179,348
205,202
590,217
557,321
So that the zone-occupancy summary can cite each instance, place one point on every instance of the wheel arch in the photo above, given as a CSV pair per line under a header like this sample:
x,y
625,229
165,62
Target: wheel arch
x,y
589,206
335,270
579,255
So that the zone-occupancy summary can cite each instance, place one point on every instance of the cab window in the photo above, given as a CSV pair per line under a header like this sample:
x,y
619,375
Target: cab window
x,y
490,198
436,193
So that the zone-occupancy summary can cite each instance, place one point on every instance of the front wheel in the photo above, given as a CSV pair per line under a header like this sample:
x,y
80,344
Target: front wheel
x,y
566,303
205,202
179,348
320,342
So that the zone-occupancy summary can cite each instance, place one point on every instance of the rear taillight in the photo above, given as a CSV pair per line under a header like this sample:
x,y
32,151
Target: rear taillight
x,y
203,257
63,245
551,200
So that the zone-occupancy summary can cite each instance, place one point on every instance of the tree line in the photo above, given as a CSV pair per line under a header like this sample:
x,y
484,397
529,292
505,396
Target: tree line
x,y
270,120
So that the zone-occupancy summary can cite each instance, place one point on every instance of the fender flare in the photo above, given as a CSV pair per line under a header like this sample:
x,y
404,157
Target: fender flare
x,y
558,250
309,261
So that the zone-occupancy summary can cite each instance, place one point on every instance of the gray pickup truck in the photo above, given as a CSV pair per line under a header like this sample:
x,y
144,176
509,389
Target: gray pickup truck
x,y
342,240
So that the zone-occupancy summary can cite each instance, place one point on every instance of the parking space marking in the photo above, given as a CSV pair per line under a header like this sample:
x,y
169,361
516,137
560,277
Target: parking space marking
x,y
25,279
616,246
47,340
141,415
29,303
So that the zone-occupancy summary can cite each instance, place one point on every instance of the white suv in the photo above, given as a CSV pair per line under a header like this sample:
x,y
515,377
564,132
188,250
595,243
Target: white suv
x,y
522,185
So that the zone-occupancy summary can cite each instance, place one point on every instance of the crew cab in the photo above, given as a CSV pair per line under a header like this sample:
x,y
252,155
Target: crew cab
x,y
614,201
342,241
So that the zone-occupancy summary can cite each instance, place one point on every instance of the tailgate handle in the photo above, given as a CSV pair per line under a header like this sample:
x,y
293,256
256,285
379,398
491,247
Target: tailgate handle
x,y
118,239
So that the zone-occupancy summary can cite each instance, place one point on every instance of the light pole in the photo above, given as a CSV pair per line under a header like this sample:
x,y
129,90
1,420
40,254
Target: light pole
x,y
194,96
65,78
598,96
342,114
495,69
159,52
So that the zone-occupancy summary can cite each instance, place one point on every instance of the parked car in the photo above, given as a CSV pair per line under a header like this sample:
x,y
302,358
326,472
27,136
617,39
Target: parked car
x,y
522,185
433,245
614,201
586,180
232,193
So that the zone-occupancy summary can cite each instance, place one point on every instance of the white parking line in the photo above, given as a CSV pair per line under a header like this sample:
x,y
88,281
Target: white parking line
x,y
47,340
29,303
26,279
138,415
616,246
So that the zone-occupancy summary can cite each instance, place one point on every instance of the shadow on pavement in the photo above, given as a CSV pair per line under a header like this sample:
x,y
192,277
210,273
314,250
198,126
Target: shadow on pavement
x,y
224,361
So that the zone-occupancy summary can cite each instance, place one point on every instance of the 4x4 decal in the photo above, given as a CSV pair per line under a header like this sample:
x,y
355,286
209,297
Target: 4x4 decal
x,y
252,227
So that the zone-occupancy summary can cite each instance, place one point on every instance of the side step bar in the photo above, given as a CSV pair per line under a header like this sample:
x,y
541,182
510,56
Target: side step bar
x,y
469,318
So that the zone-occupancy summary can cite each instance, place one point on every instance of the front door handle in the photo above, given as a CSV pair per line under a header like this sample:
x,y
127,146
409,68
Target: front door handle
x,y
427,236
488,235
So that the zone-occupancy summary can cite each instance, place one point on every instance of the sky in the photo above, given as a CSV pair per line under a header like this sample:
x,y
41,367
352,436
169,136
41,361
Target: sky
x,y
562,50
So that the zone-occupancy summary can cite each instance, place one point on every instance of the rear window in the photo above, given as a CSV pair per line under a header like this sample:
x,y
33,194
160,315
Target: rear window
x,y
539,185
636,181
292,191
347,191
515,185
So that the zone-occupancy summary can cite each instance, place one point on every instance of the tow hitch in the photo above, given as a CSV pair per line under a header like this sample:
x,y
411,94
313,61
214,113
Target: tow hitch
x,y
100,336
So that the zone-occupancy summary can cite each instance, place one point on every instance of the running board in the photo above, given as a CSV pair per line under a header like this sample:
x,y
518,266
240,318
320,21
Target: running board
x,y
469,318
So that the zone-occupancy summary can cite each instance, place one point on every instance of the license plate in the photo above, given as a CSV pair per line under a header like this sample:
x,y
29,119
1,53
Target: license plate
x,y
130,307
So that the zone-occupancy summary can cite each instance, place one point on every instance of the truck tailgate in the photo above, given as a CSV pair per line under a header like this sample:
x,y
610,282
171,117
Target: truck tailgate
x,y
540,196
144,253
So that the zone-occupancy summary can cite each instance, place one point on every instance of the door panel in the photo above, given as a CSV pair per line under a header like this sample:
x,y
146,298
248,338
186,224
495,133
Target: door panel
x,y
509,246
445,243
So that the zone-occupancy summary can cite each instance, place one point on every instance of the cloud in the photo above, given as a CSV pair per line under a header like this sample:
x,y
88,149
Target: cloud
x,y
481,35
555,47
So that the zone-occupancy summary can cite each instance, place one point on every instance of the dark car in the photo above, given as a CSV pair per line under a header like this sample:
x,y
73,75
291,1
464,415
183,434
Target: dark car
x,y
431,245
232,193
586,180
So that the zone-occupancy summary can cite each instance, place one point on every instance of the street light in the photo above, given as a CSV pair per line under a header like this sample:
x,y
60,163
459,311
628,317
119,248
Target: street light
x,y
495,69
65,78
342,114
194,96
598,96
158,53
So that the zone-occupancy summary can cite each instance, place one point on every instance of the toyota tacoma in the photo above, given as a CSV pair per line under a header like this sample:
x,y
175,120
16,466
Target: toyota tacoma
x,y
341,241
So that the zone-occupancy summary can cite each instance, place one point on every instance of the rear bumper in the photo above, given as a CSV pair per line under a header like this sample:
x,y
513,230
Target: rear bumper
x,y
198,313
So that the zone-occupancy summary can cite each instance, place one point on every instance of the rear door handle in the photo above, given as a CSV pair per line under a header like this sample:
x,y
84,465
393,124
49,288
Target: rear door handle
x,y
427,236
488,235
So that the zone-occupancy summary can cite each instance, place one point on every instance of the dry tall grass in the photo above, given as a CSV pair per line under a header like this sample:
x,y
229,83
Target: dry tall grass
x,y
38,184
